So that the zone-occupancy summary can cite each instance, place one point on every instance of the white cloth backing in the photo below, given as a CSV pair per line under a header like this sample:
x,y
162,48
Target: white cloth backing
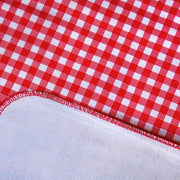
x,y
42,139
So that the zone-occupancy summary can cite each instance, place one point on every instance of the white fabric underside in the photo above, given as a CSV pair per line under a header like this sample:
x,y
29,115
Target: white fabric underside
x,y
42,139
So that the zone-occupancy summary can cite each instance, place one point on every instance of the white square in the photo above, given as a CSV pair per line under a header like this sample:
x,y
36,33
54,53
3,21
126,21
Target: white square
x,y
21,43
92,103
28,61
131,89
176,138
82,53
84,84
112,96
15,56
168,119
34,49
139,107
39,6
99,16
42,67
137,4
3,81
22,74
148,126
48,54
177,93
76,66
173,106
66,17
2,50
167,44
55,42
104,77
56,73
145,94
118,9
177,19
147,51
170,74
26,2
113,22
115,52
13,25
98,90
16,87
117,83
150,81
74,35
62,60
163,14
80,23
72,5
153,38
41,36
68,48
156,69
123,70
33,18
134,45
1,20
8,69
162,132
125,102
154,113
169,2
134,121
86,10
132,15
172,31
105,4
164,87
27,30
158,26
93,29
96,59
70,79
109,64
142,63
101,46
47,23
64,92
126,27
145,21
178,48
129,58
50,86
106,109
7,38
107,34
120,115
159,100
36,80
140,33
53,12
5,7
58,1
120,39
60,29
78,97
19,12
161,56
136,76
90,71
88,41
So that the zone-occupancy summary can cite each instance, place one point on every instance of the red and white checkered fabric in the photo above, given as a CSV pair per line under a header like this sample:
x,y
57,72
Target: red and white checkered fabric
x,y
117,57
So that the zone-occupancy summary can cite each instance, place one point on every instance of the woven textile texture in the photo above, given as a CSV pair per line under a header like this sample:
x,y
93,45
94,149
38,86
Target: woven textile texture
x,y
121,58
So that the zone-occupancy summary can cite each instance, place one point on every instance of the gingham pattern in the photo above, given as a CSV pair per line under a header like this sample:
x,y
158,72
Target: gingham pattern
x,y
120,57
